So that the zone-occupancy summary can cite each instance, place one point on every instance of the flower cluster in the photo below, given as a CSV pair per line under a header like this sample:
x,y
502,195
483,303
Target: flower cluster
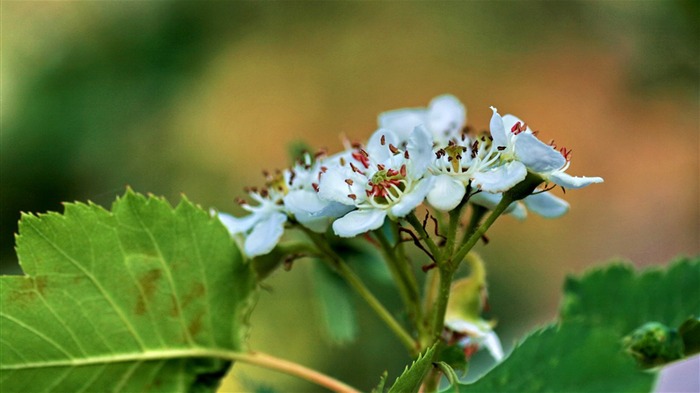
x,y
417,155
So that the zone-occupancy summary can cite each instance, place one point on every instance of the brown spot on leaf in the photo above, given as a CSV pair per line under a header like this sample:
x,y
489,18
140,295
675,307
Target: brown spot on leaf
x,y
195,325
174,308
148,283
195,293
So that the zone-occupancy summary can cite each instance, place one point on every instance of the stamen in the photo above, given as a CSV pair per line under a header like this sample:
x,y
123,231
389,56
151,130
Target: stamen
x,y
393,149
315,186
352,196
382,140
349,182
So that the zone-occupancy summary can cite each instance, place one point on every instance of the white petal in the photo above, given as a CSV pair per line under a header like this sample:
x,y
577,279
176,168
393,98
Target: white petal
x,y
465,327
332,186
493,344
546,205
498,131
517,210
501,178
311,211
573,182
380,152
412,199
359,221
490,201
420,151
402,121
265,235
446,193
536,155
235,224
446,118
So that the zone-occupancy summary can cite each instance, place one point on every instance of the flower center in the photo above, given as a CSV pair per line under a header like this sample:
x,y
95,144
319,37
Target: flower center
x,y
387,185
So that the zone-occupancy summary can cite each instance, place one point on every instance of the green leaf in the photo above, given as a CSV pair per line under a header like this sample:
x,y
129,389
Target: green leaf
x,y
380,386
654,344
620,299
143,298
412,377
335,301
690,333
566,358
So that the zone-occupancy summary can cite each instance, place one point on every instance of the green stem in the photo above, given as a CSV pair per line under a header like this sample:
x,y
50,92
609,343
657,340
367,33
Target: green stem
x,y
471,242
403,276
337,263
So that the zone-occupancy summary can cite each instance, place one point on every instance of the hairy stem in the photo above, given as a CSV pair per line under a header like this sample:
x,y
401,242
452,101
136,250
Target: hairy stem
x,y
418,226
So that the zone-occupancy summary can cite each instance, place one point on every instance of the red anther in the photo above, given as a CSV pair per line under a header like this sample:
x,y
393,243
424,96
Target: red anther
x,y
566,153
402,171
464,149
393,149
349,182
241,201
354,168
292,175
253,189
324,169
380,167
450,143
320,153
501,148
405,155
352,196
518,128
470,350
382,140
342,161
264,193
265,173
535,133
392,172
355,145
440,153
364,152
315,186
362,158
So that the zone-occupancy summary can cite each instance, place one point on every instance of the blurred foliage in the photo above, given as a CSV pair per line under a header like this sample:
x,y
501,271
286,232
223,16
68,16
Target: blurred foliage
x,y
97,95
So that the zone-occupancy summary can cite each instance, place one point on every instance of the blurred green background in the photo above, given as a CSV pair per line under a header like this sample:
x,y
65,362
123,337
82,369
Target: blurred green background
x,y
198,97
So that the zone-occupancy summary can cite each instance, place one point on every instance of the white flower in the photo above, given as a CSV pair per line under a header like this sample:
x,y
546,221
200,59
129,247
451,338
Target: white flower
x,y
519,146
459,165
445,118
263,228
302,199
477,333
379,181
542,202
